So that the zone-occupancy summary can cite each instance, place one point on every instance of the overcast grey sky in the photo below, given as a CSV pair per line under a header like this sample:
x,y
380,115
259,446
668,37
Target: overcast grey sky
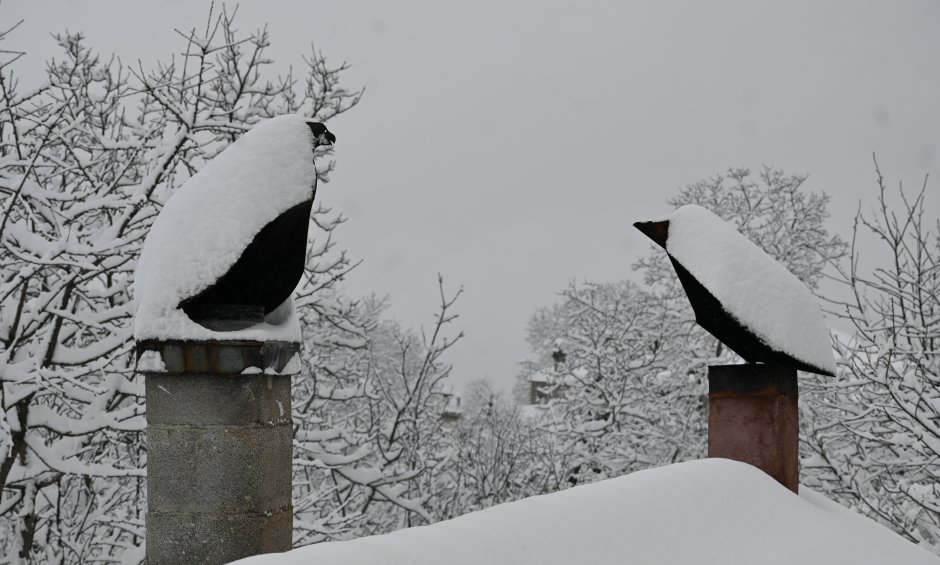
x,y
510,145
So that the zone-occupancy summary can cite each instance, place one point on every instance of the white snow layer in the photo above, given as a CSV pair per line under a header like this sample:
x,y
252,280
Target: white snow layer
x,y
711,511
151,362
752,286
211,219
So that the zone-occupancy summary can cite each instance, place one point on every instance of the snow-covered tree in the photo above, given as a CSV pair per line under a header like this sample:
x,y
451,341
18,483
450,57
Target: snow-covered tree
x,y
87,158
606,372
370,441
498,455
871,437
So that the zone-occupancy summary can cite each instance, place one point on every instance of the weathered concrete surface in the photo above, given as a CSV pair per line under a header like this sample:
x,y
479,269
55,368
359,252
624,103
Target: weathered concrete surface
x,y
216,538
219,454
753,417
229,469
231,400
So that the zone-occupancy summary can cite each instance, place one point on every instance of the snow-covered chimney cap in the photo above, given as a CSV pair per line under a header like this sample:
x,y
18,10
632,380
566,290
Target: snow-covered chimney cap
x,y
742,295
206,226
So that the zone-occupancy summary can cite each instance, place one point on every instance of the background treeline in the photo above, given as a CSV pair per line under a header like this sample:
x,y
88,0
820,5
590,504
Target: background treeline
x,y
89,156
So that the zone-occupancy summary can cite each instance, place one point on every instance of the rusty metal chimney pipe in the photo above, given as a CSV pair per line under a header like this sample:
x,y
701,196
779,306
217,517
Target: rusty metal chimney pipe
x,y
753,417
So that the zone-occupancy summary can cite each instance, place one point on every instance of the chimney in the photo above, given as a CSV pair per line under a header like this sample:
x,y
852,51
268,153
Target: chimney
x,y
219,448
753,417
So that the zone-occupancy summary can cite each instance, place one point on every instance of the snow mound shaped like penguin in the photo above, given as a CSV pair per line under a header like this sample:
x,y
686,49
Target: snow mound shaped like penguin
x,y
742,295
233,236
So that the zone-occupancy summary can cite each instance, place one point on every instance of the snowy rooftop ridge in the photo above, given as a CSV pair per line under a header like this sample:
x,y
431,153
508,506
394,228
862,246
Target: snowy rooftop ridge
x,y
711,511
211,219
751,285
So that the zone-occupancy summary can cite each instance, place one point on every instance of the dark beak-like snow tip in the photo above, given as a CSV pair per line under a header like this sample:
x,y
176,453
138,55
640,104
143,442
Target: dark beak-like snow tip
x,y
320,133
657,231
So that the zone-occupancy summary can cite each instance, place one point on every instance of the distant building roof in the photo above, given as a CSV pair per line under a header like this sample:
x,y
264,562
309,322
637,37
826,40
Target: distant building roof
x,y
541,377
452,410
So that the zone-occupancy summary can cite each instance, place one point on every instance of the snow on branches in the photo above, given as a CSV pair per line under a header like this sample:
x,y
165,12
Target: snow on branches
x,y
872,438
87,158
370,441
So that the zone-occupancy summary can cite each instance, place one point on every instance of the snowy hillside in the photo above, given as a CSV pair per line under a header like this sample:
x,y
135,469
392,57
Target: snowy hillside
x,y
711,511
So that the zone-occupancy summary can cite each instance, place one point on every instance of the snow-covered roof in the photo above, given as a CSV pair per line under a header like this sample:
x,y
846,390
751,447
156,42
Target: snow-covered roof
x,y
211,219
711,511
751,285
540,377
